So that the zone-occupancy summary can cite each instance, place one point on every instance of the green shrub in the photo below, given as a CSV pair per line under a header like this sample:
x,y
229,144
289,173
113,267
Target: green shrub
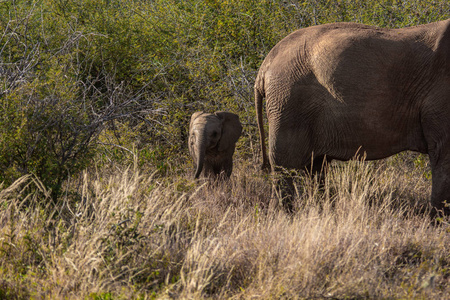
x,y
69,69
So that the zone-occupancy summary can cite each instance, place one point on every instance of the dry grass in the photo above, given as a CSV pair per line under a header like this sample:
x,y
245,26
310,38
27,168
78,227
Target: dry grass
x,y
129,234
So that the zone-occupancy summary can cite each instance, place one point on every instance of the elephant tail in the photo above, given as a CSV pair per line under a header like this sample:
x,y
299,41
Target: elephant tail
x,y
259,114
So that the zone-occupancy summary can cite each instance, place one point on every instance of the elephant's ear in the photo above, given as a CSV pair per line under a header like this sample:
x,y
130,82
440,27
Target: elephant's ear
x,y
195,116
231,129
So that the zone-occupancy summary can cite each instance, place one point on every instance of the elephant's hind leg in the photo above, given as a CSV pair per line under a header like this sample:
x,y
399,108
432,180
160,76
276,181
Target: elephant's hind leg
x,y
283,189
287,152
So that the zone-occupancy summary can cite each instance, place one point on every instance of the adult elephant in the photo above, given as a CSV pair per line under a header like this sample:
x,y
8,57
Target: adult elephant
x,y
212,140
333,90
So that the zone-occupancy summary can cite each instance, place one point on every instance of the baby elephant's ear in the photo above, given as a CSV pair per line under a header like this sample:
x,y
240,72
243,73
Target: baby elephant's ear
x,y
231,129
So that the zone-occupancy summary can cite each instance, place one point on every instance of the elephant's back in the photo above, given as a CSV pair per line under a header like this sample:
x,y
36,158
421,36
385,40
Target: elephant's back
x,y
304,43
294,55
340,56
305,38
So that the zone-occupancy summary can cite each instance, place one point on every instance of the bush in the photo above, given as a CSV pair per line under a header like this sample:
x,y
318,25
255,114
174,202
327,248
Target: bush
x,y
70,69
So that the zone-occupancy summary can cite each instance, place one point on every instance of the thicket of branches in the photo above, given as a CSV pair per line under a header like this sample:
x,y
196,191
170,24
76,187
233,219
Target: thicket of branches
x,y
82,79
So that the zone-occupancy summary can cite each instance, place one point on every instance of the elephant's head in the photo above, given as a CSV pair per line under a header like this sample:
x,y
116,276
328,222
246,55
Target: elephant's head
x,y
213,137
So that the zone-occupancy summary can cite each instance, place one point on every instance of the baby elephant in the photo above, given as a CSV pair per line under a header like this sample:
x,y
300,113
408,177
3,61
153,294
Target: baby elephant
x,y
212,139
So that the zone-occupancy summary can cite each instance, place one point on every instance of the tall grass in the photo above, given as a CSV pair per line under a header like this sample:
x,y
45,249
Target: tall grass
x,y
131,234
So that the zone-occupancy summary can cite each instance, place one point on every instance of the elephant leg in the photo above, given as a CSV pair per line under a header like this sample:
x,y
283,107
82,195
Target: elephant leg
x,y
218,170
318,167
283,189
209,170
223,168
283,184
228,166
288,150
440,193
438,144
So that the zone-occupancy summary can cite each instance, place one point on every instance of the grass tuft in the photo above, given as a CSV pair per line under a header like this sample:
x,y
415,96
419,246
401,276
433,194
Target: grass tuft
x,y
129,234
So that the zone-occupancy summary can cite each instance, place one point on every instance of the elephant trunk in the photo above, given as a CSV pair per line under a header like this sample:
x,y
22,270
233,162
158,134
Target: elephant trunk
x,y
201,151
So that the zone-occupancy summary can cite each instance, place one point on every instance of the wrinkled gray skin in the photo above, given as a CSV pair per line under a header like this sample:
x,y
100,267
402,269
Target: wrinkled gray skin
x,y
212,140
337,89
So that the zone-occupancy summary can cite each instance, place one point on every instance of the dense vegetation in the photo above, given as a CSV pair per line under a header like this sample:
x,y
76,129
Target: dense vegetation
x,y
92,89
